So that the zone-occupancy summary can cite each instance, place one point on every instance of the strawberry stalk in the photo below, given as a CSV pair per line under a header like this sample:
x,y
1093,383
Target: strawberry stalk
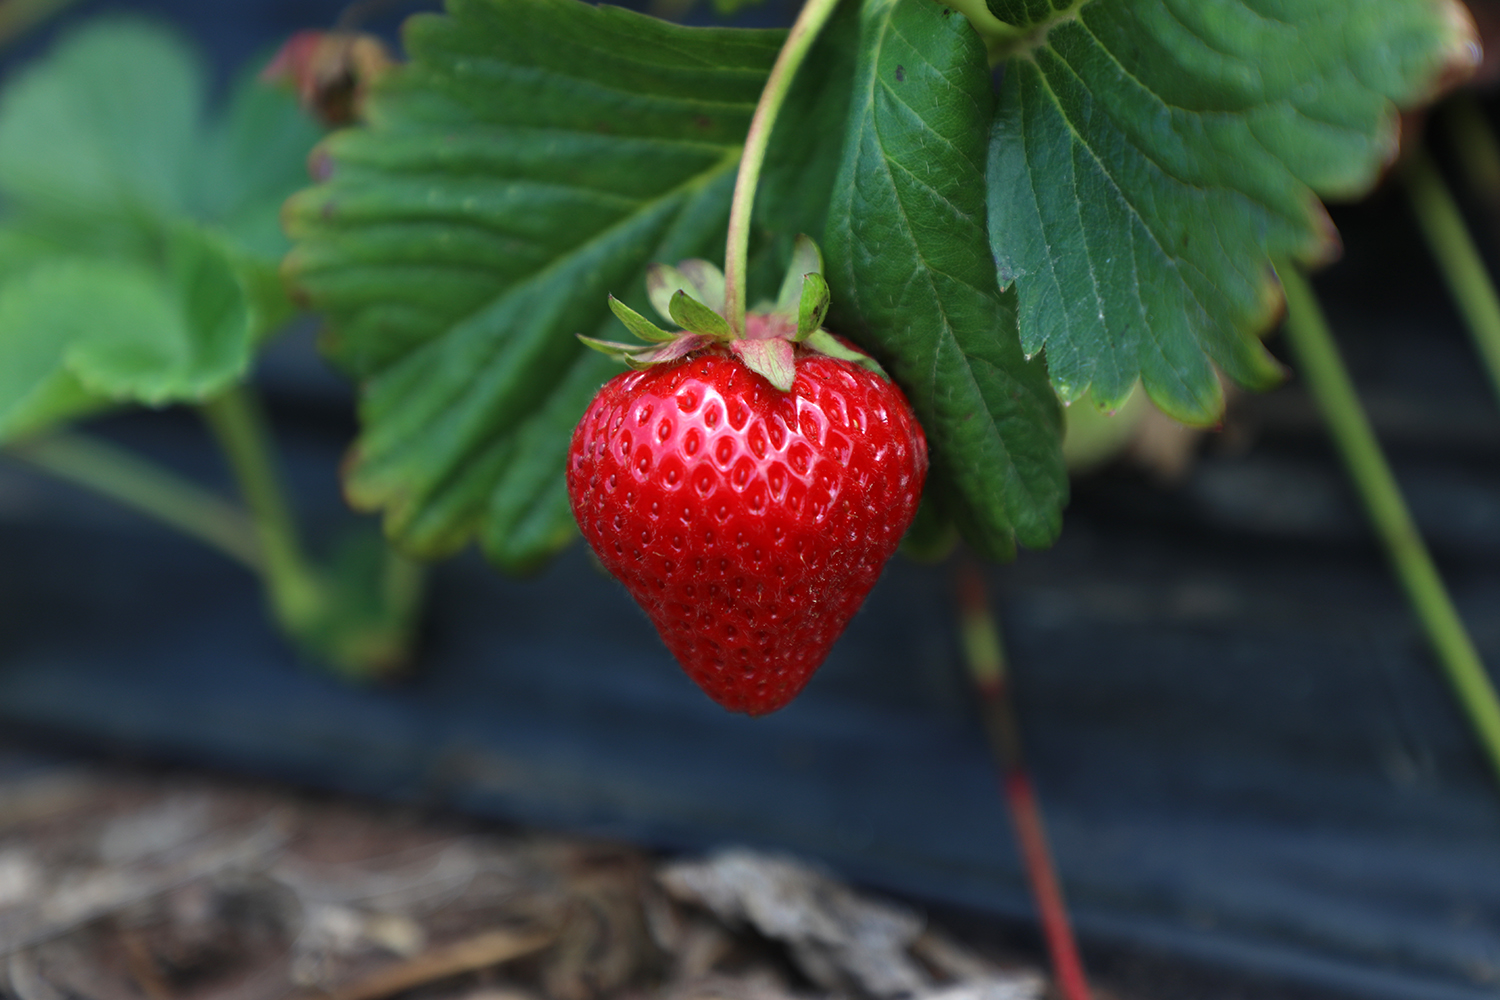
x,y
805,29
984,653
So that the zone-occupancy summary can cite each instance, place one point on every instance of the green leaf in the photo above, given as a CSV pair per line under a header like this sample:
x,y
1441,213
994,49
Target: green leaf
x,y
111,131
35,388
106,126
909,262
249,160
529,516
157,336
1150,157
20,251
531,158
77,334
139,263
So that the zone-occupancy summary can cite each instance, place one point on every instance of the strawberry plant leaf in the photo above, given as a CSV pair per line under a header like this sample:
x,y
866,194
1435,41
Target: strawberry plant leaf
x,y
35,388
1150,157
533,157
104,128
177,333
914,282
153,227
78,333
251,158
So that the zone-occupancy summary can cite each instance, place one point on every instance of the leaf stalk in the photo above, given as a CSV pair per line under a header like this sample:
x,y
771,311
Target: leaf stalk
x,y
296,591
1328,380
1475,146
1457,257
146,488
810,21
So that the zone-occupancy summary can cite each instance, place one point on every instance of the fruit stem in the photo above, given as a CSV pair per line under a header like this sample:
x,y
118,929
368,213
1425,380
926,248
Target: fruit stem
x,y
1458,258
984,652
146,488
805,29
295,590
1328,380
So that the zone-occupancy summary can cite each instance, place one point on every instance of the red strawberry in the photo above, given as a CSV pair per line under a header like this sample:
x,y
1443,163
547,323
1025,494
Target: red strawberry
x,y
749,522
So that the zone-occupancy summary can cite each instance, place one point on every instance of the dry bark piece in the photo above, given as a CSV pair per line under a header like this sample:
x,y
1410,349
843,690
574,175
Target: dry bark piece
x,y
80,896
840,939
481,951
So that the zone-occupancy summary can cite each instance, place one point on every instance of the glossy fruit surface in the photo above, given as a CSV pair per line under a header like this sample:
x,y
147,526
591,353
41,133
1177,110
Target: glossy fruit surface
x,y
749,523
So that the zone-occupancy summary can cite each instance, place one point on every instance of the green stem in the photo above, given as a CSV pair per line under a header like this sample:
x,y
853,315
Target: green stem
x,y
295,589
146,488
810,21
1458,258
1475,146
1331,386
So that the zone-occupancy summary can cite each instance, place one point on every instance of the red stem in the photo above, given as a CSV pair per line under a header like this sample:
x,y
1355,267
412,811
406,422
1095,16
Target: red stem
x,y
986,659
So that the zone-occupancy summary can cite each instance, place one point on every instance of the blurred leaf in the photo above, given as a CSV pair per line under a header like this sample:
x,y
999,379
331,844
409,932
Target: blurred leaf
x,y
139,248
103,129
909,264
533,157
77,333
35,388
253,157
179,333
1150,157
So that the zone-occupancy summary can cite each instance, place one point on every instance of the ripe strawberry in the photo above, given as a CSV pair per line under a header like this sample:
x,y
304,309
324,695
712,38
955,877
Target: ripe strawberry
x,y
747,520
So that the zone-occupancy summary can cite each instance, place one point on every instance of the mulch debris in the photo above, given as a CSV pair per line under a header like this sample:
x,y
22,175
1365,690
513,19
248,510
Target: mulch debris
x,y
119,884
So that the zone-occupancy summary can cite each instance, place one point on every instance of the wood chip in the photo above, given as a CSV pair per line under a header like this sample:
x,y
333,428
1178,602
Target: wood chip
x,y
468,955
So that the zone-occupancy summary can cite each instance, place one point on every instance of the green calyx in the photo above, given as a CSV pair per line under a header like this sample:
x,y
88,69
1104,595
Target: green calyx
x,y
692,296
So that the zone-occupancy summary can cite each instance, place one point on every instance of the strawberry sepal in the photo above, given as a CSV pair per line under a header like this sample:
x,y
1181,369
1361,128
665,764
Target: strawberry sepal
x,y
691,295
774,360
643,356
